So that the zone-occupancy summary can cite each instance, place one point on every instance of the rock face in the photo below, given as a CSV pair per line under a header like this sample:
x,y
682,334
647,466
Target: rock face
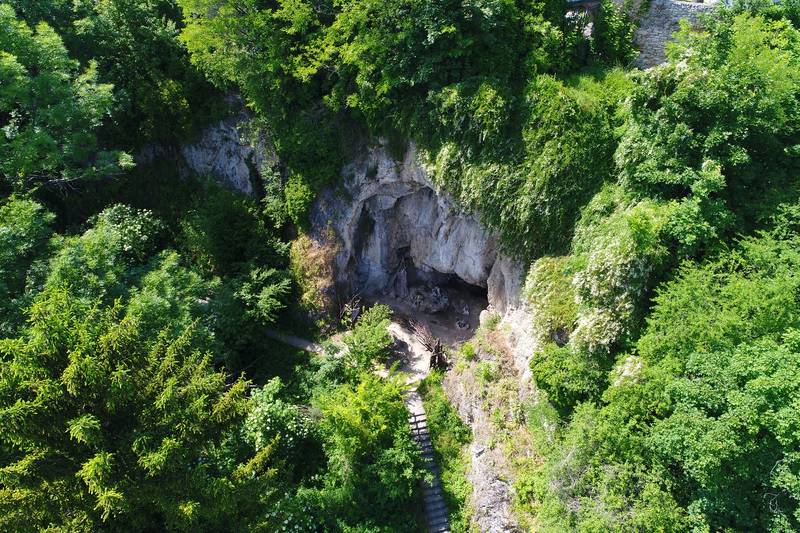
x,y
659,23
230,153
390,212
492,493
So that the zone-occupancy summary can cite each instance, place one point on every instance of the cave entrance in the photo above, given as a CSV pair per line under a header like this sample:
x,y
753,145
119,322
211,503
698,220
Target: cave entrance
x,y
449,306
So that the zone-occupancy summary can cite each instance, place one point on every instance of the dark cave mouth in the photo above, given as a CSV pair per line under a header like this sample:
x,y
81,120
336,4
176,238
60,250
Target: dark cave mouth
x,y
439,299
384,270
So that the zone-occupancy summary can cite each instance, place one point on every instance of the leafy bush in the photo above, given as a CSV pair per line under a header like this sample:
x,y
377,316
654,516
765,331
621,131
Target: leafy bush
x,y
624,252
172,295
298,198
613,33
24,233
567,376
264,293
468,351
373,464
224,232
100,263
286,427
369,340
551,296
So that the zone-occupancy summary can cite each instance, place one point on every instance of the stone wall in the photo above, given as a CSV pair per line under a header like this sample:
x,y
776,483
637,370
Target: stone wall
x,y
658,24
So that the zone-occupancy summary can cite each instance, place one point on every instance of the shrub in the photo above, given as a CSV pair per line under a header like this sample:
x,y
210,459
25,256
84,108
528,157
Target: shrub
x,y
567,376
369,340
373,464
613,33
626,251
274,420
99,263
224,232
311,263
298,197
551,295
24,234
264,293
468,351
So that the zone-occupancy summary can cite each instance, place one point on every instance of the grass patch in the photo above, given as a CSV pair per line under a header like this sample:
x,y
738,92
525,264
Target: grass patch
x,y
450,437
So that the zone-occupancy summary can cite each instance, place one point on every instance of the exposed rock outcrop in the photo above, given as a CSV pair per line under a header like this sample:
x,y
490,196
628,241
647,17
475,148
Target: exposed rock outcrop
x,y
489,476
658,24
231,151
388,211
487,392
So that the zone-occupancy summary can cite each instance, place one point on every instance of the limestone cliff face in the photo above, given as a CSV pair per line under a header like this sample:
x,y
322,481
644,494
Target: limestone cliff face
x,y
230,151
389,209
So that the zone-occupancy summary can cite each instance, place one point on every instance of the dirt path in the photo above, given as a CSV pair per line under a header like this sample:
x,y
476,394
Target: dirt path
x,y
414,362
297,342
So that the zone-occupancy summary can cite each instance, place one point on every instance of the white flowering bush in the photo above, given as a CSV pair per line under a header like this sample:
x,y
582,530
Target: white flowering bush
x,y
626,249
272,417
132,232
100,262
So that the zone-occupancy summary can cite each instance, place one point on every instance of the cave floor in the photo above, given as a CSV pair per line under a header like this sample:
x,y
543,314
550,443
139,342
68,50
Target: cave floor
x,y
410,353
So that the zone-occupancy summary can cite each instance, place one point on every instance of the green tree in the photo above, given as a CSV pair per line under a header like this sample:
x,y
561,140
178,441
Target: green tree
x,y
373,464
107,428
108,257
49,112
733,436
699,423
718,127
369,340
24,234
158,95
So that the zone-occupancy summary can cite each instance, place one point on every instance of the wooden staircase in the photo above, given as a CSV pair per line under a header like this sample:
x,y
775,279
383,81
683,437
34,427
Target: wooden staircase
x,y
432,495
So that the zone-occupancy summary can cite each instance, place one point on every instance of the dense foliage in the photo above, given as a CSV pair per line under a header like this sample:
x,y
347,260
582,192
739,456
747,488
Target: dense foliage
x,y
50,111
140,385
439,72
133,47
107,425
702,417
681,416
117,413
